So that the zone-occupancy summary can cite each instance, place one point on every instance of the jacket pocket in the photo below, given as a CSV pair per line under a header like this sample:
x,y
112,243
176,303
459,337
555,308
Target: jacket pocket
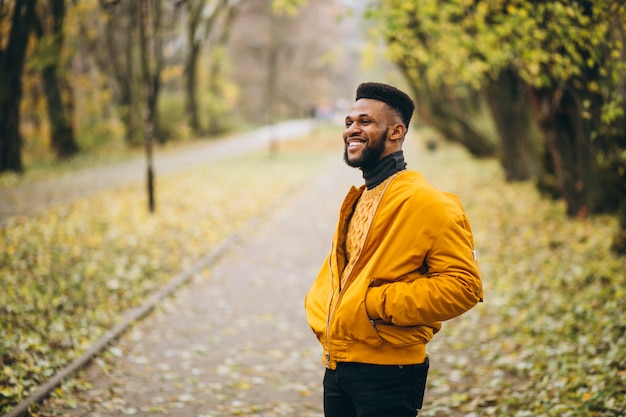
x,y
351,323
403,335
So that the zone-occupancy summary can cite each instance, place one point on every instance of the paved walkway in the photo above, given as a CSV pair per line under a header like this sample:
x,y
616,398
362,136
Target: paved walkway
x,y
33,197
235,341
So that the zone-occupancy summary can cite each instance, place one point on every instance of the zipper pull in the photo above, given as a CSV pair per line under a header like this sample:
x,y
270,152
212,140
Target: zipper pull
x,y
327,358
374,325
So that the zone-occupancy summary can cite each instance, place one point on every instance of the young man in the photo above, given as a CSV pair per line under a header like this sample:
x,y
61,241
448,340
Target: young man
x,y
402,261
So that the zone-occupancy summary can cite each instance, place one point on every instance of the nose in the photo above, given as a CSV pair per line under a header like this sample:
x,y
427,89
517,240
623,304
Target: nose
x,y
351,129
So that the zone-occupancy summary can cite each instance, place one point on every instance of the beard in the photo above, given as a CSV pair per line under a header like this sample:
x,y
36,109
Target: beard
x,y
370,155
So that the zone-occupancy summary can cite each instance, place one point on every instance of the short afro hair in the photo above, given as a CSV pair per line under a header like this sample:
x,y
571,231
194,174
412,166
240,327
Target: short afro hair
x,y
394,98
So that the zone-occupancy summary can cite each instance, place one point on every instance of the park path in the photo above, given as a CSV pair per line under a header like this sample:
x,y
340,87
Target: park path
x,y
33,197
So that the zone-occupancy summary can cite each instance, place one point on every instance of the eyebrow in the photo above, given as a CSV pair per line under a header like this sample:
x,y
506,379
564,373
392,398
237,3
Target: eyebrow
x,y
360,115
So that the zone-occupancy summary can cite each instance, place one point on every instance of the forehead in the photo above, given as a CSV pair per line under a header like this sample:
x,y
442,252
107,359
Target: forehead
x,y
369,107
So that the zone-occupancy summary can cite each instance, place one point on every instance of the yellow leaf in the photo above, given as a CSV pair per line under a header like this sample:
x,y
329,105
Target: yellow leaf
x,y
242,385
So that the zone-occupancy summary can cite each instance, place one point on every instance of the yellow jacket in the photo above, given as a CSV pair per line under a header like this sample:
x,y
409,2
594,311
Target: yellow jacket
x,y
417,268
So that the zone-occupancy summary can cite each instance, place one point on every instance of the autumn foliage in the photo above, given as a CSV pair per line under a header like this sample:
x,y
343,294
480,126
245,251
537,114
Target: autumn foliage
x,y
540,84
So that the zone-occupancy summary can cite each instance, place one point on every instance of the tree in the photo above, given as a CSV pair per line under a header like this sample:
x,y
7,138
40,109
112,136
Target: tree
x,y
217,74
150,16
50,31
202,18
568,57
520,152
21,19
417,33
119,62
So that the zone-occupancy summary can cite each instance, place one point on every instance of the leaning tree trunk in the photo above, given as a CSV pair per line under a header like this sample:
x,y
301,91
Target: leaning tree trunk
x,y
11,67
520,156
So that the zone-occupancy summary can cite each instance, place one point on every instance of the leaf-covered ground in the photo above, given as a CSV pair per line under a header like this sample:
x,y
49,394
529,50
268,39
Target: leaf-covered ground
x,y
548,341
68,275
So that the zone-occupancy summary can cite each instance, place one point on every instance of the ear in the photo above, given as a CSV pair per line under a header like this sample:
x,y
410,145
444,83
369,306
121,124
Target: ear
x,y
397,132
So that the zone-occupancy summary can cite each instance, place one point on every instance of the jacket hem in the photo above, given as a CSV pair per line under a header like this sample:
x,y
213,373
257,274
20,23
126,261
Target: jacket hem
x,y
385,354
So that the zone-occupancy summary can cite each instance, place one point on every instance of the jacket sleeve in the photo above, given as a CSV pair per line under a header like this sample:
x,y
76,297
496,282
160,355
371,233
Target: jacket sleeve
x,y
452,286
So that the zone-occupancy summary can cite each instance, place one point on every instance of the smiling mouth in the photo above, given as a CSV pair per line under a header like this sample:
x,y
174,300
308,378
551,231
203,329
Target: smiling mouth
x,y
355,143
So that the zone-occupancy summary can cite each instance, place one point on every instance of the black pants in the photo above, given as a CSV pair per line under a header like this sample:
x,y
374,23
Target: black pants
x,y
363,390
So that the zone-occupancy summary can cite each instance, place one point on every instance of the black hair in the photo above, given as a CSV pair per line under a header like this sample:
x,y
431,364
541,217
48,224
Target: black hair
x,y
394,98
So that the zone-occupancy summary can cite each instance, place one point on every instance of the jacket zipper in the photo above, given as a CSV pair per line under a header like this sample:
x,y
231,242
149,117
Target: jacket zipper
x,y
327,354
330,303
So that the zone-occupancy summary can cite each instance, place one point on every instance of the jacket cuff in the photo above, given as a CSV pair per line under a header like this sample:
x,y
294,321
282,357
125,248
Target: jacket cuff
x,y
372,303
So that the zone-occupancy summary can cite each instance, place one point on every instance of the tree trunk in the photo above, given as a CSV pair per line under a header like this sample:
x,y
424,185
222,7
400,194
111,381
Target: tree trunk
x,y
195,40
62,132
559,116
618,244
194,11
120,41
151,55
618,147
508,101
215,70
11,68
154,80
191,86
131,98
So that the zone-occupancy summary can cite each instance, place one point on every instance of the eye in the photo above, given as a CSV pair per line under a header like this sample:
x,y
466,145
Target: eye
x,y
348,123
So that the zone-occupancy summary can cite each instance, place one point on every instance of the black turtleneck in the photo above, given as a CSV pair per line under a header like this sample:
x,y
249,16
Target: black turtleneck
x,y
383,169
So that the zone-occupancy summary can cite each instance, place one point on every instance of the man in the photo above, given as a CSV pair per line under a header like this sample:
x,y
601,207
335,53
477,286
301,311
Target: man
x,y
402,261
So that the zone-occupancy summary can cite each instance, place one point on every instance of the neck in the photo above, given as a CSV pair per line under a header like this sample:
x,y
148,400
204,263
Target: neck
x,y
383,169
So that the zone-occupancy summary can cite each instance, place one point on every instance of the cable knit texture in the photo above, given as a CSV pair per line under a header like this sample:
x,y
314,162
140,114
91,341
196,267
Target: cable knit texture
x,y
359,224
